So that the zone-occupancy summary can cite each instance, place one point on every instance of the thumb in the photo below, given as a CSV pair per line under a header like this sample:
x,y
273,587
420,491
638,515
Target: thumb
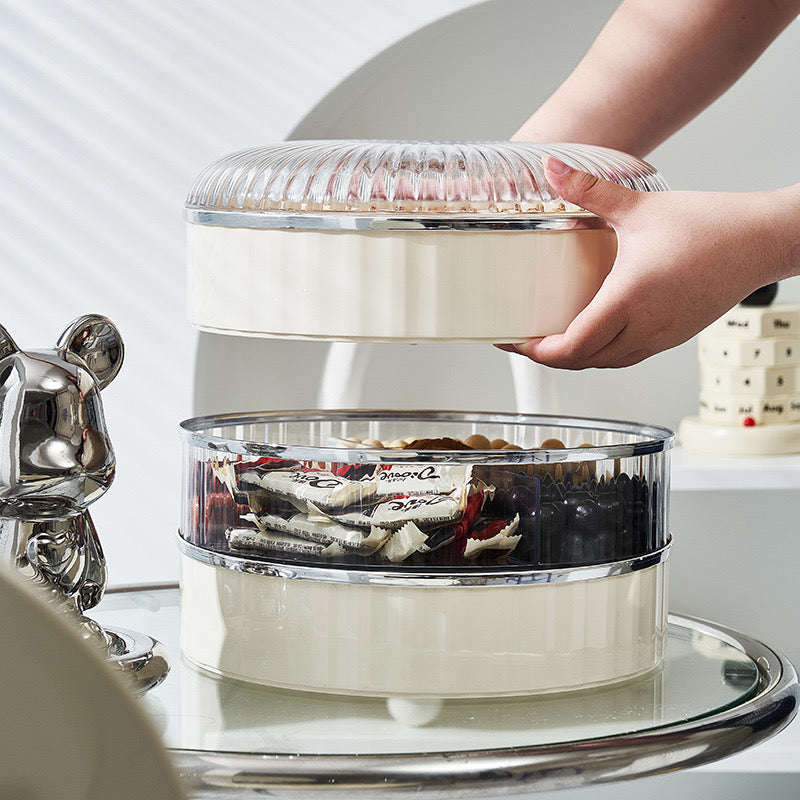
x,y
604,198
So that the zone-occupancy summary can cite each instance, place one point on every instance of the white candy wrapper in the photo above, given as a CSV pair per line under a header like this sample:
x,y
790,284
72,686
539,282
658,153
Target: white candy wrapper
x,y
274,542
226,475
404,542
323,489
426,511
244,486
418,479
322,531
502,540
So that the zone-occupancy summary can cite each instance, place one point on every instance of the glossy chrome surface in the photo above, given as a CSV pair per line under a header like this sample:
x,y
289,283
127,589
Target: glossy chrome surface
x,y
442,577
61,553
141,658
56,459
363,222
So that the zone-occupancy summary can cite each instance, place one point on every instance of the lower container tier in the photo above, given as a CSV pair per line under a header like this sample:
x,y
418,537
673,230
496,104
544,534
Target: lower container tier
x,y
404,638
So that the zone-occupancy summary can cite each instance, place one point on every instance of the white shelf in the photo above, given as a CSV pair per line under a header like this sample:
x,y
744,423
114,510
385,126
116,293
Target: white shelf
x,y
695,472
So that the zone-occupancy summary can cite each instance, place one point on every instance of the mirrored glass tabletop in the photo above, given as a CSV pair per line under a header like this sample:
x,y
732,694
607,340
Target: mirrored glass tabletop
x,y
717,692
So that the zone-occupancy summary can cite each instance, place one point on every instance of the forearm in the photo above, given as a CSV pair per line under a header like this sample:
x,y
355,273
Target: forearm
x,y
683,259
654,67
778,227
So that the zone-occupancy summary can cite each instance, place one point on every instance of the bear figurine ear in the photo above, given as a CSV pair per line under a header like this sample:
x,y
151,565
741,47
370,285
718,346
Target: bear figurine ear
x,y
97,344
7,346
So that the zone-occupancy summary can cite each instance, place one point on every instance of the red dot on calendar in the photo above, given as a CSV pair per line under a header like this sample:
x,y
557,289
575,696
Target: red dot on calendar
x,y
748,422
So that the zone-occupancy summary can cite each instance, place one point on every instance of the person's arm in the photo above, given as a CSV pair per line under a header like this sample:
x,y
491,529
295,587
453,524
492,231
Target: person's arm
x,y
683,260
655,66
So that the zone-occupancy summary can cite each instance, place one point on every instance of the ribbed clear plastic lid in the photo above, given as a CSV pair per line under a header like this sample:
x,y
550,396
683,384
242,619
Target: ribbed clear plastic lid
x,y
406,177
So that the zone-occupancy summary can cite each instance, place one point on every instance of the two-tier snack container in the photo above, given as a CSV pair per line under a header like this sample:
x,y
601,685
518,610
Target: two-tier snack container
x,y
414,553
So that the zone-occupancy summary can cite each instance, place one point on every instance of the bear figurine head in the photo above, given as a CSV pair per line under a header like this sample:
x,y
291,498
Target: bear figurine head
x,y
55,455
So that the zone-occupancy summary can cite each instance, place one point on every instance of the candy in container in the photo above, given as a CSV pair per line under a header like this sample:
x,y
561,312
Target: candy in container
x,y
342,552
414,555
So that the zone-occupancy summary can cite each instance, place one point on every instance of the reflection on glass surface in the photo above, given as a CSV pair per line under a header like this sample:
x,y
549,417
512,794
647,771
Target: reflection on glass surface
x,y
701,675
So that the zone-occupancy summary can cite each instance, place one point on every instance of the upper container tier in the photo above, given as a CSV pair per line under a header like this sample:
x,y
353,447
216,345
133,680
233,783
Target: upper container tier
x,y
398,241
391,177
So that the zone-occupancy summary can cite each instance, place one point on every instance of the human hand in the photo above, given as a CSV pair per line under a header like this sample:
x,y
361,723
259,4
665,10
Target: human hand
x,y
683,259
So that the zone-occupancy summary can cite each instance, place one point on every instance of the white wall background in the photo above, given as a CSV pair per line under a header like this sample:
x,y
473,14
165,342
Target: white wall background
x,y
108,111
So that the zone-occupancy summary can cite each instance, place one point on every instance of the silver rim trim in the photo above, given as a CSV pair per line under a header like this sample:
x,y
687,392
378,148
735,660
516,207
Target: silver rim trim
x,y
366,222
519,577
655,439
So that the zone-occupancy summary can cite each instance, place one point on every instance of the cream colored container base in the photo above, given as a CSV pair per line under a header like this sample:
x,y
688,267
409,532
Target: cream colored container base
x,y
417,641
735,440
413,286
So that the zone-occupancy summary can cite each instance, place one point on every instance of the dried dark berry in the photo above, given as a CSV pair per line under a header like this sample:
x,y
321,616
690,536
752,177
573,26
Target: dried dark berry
x,y
585,516
551,518
613,510
526,549
624,487
574,499
494,476
523,500
549,493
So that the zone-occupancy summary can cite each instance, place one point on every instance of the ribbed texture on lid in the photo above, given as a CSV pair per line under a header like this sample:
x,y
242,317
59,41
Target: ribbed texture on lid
x,y
406,177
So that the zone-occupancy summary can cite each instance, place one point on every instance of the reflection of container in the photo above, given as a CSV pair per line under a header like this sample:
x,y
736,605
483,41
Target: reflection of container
x,y
312,559
217,714
388,240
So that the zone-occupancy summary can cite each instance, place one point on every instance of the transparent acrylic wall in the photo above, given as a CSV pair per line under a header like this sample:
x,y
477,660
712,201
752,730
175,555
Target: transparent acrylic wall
x,y
408,491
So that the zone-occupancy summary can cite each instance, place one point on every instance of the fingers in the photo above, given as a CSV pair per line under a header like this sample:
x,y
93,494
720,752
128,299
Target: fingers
x,y
604,198
630,359
583,346
600,336
595,338
557,351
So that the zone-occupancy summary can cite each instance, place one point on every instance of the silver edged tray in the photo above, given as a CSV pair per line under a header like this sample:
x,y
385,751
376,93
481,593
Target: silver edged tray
x,y
717,693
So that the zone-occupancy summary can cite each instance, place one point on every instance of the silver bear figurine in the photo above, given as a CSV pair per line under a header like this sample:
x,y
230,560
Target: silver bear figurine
x,y
56,458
